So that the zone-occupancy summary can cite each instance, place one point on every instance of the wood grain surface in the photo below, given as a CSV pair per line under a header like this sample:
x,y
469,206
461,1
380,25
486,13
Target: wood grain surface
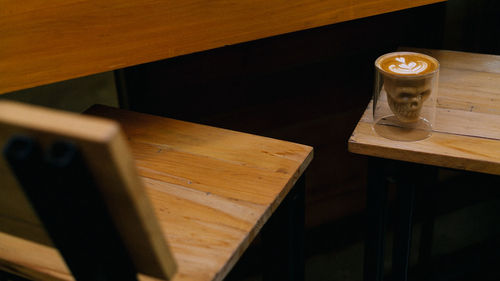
x,y
212,190
107,155
50,41
466,133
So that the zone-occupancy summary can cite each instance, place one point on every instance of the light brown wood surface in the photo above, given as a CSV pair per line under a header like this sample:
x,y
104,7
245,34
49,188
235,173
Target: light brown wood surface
x,y
466,133
212,190
50,41
107,154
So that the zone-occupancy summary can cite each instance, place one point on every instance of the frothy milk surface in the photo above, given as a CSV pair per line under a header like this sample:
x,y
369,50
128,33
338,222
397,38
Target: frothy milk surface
x,y
407,63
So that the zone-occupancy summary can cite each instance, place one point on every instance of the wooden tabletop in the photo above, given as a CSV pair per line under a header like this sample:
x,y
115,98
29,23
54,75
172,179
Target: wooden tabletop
x,y
48,41
212,190
466,132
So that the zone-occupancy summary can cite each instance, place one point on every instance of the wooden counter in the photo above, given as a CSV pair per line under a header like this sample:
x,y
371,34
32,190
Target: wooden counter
x,y
45,42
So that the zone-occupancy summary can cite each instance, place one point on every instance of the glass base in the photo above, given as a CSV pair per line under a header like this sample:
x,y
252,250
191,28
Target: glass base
x,y
390,127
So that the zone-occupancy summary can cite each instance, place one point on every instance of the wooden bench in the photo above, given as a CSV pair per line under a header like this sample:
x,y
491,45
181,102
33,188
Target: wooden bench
x,y
211,189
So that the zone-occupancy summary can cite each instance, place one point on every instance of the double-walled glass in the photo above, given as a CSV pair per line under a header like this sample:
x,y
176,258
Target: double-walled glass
x,y
405,95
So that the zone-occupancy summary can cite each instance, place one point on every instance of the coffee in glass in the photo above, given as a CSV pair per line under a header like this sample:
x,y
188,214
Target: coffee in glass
x,y
404,98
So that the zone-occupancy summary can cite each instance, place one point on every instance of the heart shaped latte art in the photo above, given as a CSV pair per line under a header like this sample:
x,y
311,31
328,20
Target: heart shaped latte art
x,y
412,67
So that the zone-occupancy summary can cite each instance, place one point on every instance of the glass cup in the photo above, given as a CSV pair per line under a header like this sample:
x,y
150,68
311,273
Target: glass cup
x,y
404,96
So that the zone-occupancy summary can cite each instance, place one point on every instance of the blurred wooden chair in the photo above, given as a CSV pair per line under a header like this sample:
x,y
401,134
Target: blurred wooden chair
x,y
69,182
76,205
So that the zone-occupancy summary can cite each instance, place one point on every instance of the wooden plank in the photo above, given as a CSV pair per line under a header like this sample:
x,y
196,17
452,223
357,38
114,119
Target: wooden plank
x,y
456,121
463,60
39,262
444,150
466,133
211,189
60,40
108,157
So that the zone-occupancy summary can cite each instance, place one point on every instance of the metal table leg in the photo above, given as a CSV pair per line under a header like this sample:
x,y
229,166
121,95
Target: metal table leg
x,y
283,238
376,216
403,225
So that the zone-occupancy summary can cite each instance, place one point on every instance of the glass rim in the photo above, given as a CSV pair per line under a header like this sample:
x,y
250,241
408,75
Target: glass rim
x,y
407,76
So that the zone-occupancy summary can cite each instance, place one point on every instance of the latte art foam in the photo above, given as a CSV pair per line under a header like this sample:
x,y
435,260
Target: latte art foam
x,y
413,67
407,64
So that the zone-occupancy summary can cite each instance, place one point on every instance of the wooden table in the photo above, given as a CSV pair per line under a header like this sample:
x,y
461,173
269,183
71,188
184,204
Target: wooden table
x,y
213,190
466,136
56,40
